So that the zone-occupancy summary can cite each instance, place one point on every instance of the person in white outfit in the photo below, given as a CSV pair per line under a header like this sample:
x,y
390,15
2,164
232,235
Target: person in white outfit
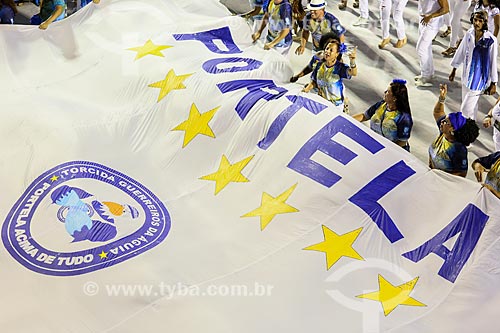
x,y
493,118
457,11
447,23
396,7
431,12
478,54
364,14
490,7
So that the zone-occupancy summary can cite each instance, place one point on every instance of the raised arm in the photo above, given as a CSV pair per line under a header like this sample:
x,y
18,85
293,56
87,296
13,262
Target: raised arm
x,y
439,107
353,69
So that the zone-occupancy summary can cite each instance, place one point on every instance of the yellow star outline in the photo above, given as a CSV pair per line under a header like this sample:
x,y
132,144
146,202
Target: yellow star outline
x,y
337,246
271,206
54,178
149,48
171,82
197,123
391,296
103,255
228,172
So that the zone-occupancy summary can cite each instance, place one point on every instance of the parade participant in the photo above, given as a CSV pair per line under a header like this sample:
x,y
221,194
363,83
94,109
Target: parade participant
x,y
343,4
316,23
327,76
491,7
51,11
478,54
7,11
391,117
448,152
457,11
431,12
364,14
325,39
492,118
396,7
278,13
491,165
298,14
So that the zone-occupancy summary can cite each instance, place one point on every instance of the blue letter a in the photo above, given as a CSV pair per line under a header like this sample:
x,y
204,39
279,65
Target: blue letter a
x,y
470,224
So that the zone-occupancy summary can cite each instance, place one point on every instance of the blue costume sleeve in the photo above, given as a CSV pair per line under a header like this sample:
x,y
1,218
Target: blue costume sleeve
x,y
265,6
335,24
307,19
488,161
405,123
286,14
371,111
314,74
344,71
314,60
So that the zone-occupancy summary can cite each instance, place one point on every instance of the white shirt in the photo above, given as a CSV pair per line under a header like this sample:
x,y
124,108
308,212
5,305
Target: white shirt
x,y
464,55
428,6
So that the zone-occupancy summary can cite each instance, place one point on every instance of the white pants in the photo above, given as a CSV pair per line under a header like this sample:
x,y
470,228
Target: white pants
x,y
426,34
397,7
469,105
446,17
496,133
457,11
364,12
496,139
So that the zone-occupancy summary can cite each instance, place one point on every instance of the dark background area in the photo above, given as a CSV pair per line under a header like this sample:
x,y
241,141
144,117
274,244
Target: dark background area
x,y
28,8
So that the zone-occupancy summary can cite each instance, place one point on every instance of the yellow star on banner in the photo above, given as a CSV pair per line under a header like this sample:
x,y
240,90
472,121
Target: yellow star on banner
x,y
171,82
149,48
228,173
54,178
103,254
270,207
197,123
336,247
391,296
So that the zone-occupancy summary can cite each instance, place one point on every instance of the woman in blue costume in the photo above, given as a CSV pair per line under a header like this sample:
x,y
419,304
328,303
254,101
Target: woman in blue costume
x,y
449,151
317,57
328,75
391,117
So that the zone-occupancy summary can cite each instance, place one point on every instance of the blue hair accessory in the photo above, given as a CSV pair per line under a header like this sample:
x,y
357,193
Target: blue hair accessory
x,y
400,81
457,120
342,48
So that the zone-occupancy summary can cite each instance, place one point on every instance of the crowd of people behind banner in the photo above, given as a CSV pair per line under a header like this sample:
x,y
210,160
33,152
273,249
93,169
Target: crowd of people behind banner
x,y
475,51
50,11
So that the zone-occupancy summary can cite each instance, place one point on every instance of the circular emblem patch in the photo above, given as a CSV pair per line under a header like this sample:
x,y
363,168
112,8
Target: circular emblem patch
x,y
80,217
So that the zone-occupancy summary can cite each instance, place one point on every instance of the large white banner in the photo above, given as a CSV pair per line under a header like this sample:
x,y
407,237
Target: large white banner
x,y
158,173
